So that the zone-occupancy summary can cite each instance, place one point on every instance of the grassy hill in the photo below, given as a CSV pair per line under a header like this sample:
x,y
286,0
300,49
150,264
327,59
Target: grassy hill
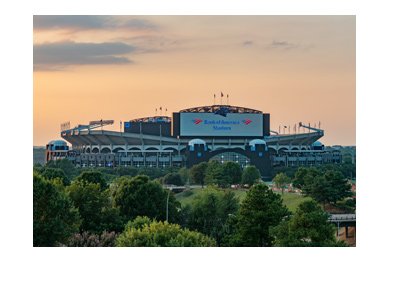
x,y
291,200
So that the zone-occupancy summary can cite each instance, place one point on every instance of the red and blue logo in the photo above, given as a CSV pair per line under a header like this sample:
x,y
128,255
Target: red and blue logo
x,y
197,121
247,121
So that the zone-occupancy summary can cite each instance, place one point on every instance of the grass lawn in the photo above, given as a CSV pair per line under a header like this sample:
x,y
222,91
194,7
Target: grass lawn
x,y
291,200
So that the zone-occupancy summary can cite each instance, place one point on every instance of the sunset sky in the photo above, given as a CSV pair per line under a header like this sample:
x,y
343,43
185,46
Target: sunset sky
x,y
297,68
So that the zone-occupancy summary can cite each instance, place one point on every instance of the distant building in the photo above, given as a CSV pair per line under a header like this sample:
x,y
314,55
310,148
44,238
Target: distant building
x,y
39,155
190,136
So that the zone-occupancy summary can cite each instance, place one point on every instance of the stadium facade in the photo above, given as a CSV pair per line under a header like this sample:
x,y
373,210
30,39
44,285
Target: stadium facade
x,y
190,136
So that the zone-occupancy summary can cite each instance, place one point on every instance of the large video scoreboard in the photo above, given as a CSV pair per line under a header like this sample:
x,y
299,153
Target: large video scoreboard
x,y
216,125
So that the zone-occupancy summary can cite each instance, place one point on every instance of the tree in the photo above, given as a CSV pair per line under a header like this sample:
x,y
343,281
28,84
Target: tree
x,y
126,171
232,172
95,207
173,179
66,165
164,234
184,173
198,173
86,239
309,226
94,177
250,175
210,211
304,176
260,210
52,173
328,187
215,174
54,216
281,181
138,196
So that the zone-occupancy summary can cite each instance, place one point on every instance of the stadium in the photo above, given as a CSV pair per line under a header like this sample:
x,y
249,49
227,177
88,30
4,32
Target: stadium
x,y
190,136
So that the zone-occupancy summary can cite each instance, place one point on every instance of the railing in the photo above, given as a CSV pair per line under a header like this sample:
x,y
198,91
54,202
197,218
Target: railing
x,y
342,218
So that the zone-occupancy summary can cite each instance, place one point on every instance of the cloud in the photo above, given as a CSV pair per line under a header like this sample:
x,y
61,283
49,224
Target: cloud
x,y
247,43
282,45
89,22
56,56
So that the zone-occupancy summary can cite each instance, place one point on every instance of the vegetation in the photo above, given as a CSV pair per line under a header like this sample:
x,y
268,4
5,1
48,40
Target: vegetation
x,y
173,179
210,210
259,211
86,239
95,207
281,181
55,218
144,232
198,173
232,173
309,226
94,177
128,206
250,175
65,165
215,174
53,173
138,196
324,187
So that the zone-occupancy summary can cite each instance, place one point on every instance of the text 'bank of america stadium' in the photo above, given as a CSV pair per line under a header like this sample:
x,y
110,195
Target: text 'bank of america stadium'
x,y
217,132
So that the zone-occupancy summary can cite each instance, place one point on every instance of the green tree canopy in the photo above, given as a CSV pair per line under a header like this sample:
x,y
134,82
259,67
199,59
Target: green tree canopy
x,y
309,226
54,217
185,175
198,173
260,210
304,176
155,233
126,171
324,187
94,177
250,175
173,179
281,181
215,174
138,196
210,211
95,207
86,239
52,173
232,172
66,165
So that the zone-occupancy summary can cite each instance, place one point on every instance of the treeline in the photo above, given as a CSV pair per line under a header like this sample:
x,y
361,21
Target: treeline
x,y
86,209
205,173
347,169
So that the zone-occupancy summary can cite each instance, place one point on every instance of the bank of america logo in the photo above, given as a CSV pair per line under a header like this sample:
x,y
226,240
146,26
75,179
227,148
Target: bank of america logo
x,y
197,121
247,121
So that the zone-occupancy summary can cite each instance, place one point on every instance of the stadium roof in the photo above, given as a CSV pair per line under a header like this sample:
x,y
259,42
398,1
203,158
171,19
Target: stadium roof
x,y
103,137
215,108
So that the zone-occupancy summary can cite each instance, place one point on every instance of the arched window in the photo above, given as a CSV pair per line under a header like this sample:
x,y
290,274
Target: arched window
x,y
242,160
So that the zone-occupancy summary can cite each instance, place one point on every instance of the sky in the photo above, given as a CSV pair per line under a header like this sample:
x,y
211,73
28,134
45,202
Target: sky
x,y
297,68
